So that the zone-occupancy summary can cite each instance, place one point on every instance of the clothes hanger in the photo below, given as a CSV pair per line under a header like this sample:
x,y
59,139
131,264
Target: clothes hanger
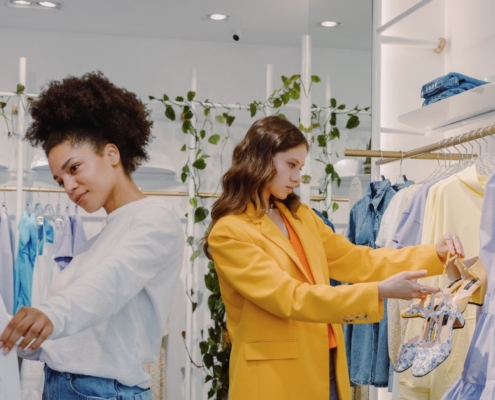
x,y
401,175
380,177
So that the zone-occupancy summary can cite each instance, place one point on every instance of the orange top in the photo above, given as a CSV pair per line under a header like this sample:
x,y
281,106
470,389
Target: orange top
x,y
296,244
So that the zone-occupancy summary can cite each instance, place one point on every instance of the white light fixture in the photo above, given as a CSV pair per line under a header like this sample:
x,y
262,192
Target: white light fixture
x,y
330,24
217,17
21,2
48,4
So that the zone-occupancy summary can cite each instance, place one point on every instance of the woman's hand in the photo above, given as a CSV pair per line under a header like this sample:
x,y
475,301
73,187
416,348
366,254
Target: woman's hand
x,y
400,286
30,323
451,245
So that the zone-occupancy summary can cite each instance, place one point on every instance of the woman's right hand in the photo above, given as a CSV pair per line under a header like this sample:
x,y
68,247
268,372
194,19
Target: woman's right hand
x,y
29,323
401,286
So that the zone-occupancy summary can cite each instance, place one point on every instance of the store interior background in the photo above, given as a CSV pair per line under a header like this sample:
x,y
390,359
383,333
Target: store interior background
x,y
151,46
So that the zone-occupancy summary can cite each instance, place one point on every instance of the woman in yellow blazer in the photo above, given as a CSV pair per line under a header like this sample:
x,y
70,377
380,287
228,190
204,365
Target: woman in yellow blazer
x,y
274,257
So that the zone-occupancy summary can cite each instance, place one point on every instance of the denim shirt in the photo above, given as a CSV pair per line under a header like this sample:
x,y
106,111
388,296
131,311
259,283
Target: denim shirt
x,y
367,213
367,344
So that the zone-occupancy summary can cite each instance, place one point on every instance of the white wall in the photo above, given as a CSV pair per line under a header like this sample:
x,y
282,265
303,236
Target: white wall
x,y
151,66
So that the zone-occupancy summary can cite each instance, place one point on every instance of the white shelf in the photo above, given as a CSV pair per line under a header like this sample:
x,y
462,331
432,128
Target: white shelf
x,y
462,106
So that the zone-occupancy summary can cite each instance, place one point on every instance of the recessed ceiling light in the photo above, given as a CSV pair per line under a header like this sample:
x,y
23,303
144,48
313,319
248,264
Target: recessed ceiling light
x,y
48,4
330,24
217,17
21,2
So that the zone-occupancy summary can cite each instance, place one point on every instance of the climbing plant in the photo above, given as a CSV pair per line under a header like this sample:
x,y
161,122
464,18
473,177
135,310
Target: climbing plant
x,y
203,126
4,103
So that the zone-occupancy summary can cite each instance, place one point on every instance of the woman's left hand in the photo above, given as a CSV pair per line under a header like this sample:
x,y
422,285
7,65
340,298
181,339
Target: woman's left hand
x,y
449,245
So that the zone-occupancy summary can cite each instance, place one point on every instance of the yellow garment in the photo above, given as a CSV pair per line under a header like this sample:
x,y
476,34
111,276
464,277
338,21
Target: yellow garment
x,y
453,205
277,321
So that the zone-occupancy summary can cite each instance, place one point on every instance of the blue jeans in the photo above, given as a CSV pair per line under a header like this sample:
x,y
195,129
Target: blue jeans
x,y
67,386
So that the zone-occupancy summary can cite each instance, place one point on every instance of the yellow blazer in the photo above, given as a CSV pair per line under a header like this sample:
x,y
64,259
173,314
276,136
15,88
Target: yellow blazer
x,y
277,320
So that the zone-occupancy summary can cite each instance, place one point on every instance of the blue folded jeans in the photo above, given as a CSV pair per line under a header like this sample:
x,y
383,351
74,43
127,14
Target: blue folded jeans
x,y
448,93
66,386
448,81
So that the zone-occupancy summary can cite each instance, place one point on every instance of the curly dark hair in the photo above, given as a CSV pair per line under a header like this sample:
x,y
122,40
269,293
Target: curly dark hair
x,y
91,110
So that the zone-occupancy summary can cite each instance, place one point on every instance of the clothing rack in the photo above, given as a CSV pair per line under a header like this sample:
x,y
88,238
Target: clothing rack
x,y
427,152
153,193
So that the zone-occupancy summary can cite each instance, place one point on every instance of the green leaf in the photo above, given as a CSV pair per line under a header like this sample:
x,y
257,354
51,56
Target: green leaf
x,y
194,306
220,119
194,202
165,97
195,255
179,98
325,214
315,78
333,119
183,148
190,95
183,177
170,113
285,97
200,214
187,126
253,109
151,97
285,80
353,122
202,133
203,347
20,88
334,133
333,103
190,240
277,103
207,111
366,108
322,140
208,360
295,94
329,169
188,114
214,139
199,164
335,207
230,120
2,104
341,107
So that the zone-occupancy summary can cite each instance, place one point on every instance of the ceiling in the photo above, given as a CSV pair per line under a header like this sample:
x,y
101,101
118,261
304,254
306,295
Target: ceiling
x,y
269,22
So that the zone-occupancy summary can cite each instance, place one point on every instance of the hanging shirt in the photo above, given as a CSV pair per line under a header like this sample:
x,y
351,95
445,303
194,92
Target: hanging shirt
x,y
477,380
63,253
6,261
366,344
109,307
24,263
78,234
9,367
32,376
453,205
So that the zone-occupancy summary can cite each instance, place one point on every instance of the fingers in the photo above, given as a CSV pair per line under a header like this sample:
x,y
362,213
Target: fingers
x,y
453,243
410,275
29,324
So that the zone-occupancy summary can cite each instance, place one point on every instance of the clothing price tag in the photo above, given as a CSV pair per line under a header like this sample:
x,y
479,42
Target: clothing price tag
x,y
355,191
10,387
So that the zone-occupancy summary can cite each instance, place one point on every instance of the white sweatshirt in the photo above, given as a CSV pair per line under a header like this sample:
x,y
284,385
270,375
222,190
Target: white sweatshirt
x,y
110,305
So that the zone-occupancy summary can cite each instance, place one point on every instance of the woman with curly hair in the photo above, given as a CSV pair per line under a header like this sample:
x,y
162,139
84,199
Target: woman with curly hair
x,y
108,308
274,257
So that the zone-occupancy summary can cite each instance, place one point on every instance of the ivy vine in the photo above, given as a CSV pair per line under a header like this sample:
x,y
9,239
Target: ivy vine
x,y
9,120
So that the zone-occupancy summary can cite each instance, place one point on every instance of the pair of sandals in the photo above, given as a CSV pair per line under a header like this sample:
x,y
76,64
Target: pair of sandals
x,y
443,313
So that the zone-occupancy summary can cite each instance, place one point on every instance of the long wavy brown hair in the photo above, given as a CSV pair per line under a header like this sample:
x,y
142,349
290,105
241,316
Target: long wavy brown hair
x,y
253,168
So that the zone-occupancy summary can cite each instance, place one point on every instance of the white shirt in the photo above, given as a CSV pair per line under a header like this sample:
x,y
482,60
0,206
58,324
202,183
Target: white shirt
x,y
9,368
109,307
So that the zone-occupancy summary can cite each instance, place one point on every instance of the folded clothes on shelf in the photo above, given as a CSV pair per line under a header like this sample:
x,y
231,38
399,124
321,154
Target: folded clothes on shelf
x,y
448,81
448,93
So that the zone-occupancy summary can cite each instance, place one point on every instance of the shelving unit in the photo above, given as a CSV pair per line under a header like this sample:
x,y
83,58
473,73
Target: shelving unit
x,y
460,107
